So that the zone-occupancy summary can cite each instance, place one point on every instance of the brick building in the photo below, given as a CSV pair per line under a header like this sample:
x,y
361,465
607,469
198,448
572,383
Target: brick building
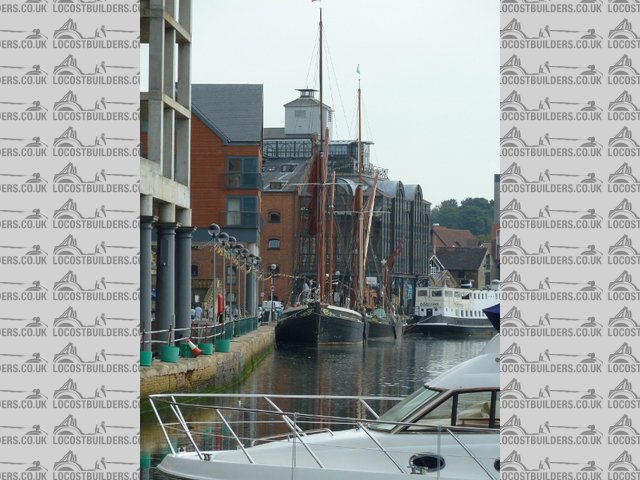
x,y
226,160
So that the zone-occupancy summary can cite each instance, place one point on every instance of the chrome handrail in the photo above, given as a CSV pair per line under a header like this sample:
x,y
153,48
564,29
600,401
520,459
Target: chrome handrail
x,y
293,419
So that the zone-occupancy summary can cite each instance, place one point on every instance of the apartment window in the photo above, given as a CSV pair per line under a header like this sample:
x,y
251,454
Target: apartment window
x,y
242,172
194,270
275,186
287,167
242,211
273,244
274,217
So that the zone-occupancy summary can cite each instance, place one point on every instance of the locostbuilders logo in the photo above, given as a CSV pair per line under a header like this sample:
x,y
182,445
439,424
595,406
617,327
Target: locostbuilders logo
x,y
68,432
24,6
512,145
22,39
512,396
67,180
67,252
623,108
22,327
623,468
623,360
23,399
513,253
623,396
25,111
623,288
623,252
68,360
69,35
512,35
623,73
512,180
69,396
623,432
67,72
22,147
22,219
513,325
623,216
512,288
23,75
622,324
96,6
21,435
69,109
23,363
22,183
623,36
23,291
513,433
68,468
24,470
513,73
22,255
512,360
623,180
513,108
546,6
622,144
512,216
68,325
513,467
69,217
68,289
67,144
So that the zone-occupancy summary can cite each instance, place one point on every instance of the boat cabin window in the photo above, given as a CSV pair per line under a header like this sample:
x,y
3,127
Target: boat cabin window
x,y
436,293
478,409
400,411
448,294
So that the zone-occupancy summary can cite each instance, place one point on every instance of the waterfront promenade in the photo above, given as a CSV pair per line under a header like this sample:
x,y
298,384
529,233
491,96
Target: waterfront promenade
x,y
209,372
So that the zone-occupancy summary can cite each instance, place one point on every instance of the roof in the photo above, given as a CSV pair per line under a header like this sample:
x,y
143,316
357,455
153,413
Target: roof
x,y
461,258
452,237
232,111
291,180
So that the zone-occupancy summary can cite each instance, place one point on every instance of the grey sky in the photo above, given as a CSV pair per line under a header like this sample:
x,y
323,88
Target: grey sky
x,y
429,77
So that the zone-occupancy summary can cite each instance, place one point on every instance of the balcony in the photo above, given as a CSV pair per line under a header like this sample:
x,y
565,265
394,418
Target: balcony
x,y
241,219
243,180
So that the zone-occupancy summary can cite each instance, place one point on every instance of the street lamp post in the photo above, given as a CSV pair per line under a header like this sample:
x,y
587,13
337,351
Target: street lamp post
x,y
244,254
223,238
214,231
384,279
232,244
238,254
272,268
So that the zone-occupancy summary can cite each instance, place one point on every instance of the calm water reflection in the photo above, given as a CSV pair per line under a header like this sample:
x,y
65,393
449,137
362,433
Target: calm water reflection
x,y
379,368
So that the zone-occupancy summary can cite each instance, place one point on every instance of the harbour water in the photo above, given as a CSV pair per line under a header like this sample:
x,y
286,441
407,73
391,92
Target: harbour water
x,y
390,368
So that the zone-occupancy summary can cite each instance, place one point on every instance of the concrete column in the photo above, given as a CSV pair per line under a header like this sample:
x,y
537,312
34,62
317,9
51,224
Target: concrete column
x,y
146,225
183,272
166,269
156,79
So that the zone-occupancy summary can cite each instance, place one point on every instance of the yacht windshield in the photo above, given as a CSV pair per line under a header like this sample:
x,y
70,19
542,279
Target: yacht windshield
x,y
401,410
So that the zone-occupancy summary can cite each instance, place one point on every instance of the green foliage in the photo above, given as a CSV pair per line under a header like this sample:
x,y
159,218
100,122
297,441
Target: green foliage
x,y
473,214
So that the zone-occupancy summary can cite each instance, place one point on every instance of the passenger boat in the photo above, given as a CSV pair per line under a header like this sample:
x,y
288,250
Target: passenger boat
x,y
452,311
447,429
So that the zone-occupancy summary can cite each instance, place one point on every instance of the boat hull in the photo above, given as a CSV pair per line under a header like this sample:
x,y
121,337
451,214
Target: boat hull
x,y
441,326
381,330
320,324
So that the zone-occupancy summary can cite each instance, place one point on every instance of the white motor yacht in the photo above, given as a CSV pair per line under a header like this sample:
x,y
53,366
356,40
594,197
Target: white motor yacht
x,y
448,429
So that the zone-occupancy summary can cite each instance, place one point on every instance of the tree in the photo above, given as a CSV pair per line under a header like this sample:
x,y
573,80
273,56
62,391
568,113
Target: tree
x,y
473,214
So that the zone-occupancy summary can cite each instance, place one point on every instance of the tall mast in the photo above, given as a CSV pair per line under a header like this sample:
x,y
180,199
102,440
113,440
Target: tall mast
x,y
332,199
320,239
359,129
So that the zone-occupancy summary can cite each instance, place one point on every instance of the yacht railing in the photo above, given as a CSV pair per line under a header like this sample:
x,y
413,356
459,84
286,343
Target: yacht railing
x,y
291,422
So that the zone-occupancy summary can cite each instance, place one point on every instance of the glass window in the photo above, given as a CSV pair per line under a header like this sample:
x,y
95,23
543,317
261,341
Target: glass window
x,y
402,410
273,244
242,211
465,409
274,217
242,172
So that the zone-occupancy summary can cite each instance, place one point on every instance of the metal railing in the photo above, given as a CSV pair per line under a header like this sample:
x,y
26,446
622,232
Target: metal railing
x,y
201,331
224,416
